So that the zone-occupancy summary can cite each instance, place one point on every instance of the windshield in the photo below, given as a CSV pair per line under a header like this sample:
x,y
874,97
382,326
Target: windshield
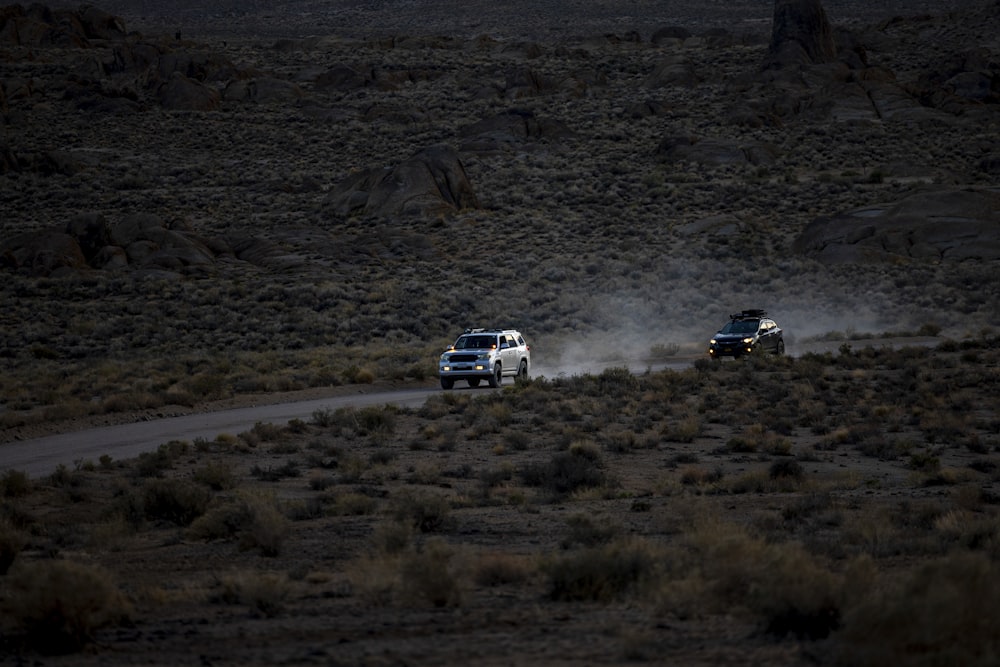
x,y
475,342
741,327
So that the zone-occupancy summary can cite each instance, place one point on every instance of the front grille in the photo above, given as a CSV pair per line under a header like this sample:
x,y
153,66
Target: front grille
x,y
457,358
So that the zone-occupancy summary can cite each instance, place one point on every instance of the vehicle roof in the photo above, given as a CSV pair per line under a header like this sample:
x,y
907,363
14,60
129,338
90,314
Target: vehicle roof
x,y
752,314
476,331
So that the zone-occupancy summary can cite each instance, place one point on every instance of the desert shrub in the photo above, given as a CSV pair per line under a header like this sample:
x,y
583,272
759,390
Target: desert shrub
x,y
392,537
684,430
940,613
12,541
787,469
576,468
700,476
287,469
584,530
429,574
924,461
266,431
352,504
254,520
603,573
264,592
217,476
426,512
787,588
616,381
59,605
177,501
155,463
757,438
15,484
498,569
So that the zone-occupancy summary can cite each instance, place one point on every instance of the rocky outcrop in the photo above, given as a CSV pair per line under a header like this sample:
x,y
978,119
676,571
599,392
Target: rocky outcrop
x,y
513,127
431,183
716,152
40,26
181,93
800,35
937,226
89,241
673,71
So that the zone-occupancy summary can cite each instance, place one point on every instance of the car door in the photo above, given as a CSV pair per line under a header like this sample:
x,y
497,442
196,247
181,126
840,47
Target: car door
x,y
767,335
509,356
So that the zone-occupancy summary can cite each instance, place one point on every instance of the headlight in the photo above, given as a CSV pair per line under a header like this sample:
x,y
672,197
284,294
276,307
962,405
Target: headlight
x,y
711,342
484,355
748,340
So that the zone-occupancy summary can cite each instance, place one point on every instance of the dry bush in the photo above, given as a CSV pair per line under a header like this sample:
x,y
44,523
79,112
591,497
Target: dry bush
x,y
757,437
586,531
216,475
500,569
15,484
59,605
727,569
174,500
352,504
430,574
253,519
579,467
939,613
684,430
12,541
392,537
604,573
264,592
425,512
155,463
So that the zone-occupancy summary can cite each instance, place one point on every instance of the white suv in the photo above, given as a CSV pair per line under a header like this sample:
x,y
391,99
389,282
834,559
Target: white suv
x,y
485,354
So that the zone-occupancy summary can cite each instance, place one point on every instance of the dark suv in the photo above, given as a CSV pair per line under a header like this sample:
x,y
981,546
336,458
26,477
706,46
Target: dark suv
x,y
747,332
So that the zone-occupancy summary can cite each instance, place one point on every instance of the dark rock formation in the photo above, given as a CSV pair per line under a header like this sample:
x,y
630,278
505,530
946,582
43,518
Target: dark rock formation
x,y
800,35
945,225
181,93
715,151
431,183
516,126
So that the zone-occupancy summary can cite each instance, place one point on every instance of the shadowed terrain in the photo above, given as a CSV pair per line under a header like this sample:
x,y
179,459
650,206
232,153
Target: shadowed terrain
x,y
203,204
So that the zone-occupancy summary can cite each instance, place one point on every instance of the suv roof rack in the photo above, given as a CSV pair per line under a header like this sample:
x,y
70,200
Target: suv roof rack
x,y
754,313
484,330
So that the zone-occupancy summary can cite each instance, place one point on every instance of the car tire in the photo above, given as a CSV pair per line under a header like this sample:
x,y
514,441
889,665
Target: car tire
x,y
473,382
497,378
781,348
522,370
447,383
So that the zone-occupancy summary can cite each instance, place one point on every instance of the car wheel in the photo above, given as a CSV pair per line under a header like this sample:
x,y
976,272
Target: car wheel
x,y
497,377
781,347
473,382
522,370
447,383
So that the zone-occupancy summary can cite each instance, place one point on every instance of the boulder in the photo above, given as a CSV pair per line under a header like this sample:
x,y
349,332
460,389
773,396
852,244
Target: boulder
x,y
673,71
941,225
515,126
342,78
716,151
181,93
262,90
801,34
431,183
42,254
91,232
